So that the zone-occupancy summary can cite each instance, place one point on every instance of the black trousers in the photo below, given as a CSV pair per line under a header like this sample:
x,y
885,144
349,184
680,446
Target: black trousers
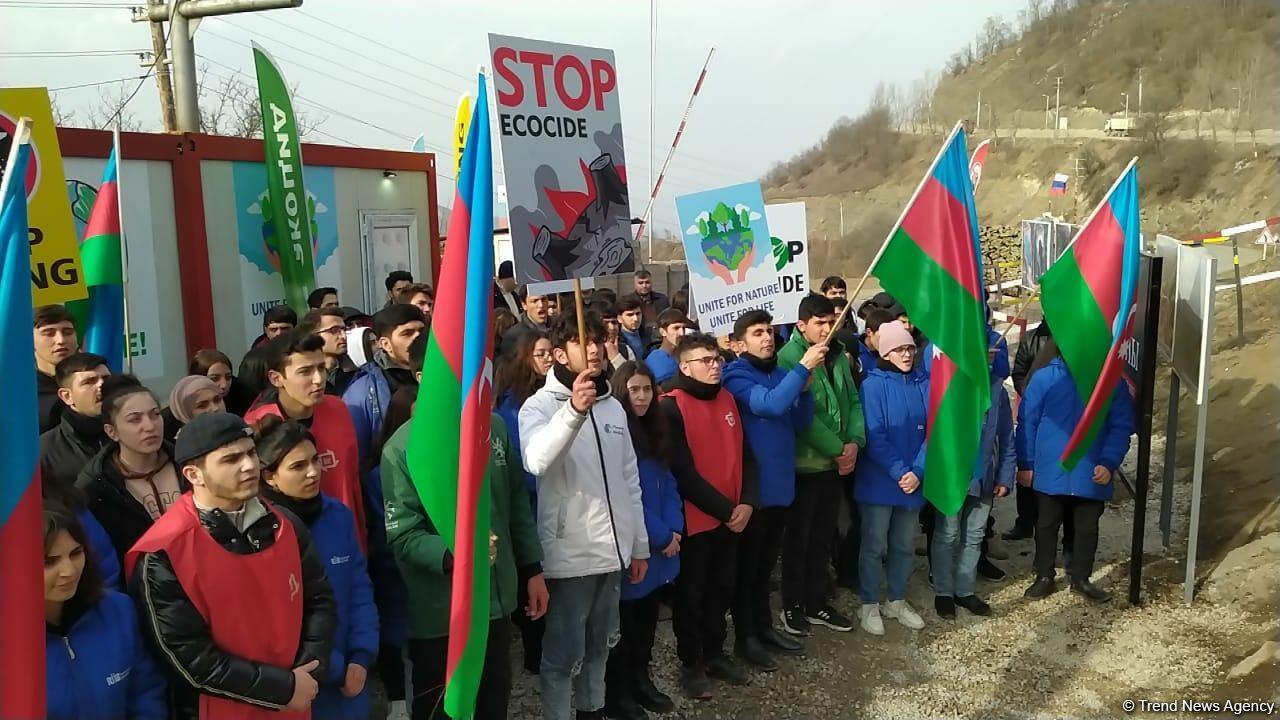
x,y
531,631
1025,498
630,658
845,547
758,548
704,590
1052,510
806,544
391,670
430,658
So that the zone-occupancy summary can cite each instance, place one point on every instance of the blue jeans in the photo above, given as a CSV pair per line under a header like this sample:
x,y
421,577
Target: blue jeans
x,y
887,532
582,624
957,544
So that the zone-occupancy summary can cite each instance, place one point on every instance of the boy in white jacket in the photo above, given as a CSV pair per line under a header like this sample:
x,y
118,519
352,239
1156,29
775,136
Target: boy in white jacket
x,y
574,438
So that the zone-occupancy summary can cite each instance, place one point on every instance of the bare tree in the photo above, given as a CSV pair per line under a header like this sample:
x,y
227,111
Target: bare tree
x,y
62,117
113,107
229,106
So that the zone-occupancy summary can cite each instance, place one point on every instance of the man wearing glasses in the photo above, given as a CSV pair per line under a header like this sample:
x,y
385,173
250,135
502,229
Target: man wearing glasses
x,y
330,324
716,474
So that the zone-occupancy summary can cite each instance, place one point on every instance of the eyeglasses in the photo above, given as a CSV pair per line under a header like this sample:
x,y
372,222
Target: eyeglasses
x,y
708,361
334,331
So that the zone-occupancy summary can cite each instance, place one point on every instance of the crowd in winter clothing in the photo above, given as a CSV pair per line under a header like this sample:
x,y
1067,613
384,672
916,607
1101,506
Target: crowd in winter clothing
x,y
198,564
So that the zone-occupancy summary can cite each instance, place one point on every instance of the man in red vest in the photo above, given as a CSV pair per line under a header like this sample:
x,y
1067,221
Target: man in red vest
x,y
716,474
296,370
233,595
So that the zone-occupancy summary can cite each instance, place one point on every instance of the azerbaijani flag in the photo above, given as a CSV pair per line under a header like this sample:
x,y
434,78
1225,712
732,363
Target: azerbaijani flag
x,y
103,265
22,689
448,454
931,265
1088,297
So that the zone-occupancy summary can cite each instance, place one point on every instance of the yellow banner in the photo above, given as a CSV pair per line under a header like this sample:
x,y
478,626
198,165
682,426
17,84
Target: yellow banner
x,y
462,123
56,276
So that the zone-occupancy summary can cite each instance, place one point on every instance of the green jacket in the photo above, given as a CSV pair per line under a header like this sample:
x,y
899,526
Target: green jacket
x,y
420,551
837,415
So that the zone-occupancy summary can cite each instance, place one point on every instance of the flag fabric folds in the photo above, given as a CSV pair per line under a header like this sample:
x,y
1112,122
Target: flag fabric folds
x,y
103,264
22,683
931,264
1059,184
1088,300
448,455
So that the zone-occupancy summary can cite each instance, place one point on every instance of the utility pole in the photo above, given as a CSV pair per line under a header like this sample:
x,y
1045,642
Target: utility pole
x,y
842,218
1046,111
1126,105
1139,92
1057,106
184,17
163,82
977,118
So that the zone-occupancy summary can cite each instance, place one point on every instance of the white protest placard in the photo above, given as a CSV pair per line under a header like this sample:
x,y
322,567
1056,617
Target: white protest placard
x,y
560,132
728,250
789,243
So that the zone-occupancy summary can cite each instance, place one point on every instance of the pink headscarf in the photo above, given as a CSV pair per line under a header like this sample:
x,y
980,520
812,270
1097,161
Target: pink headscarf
x,y
182,399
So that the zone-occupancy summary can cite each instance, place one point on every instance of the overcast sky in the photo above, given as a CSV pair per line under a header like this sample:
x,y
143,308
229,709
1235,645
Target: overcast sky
x,y
782,73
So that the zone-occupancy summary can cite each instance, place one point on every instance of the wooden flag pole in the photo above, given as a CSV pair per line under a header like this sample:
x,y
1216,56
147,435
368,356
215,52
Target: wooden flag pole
x,y
582,318
1017,316
840,319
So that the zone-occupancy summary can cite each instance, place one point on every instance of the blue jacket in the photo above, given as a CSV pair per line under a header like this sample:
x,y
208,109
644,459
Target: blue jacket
x,y
637,341
101,669
510,413
774,407
389,592
367,398
896,406
663,515
664,366
104,551
867,356
355,638
1048,414
996,457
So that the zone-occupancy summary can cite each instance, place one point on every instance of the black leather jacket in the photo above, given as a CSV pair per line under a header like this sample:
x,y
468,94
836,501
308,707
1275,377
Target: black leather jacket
x,y
1026,356
180,637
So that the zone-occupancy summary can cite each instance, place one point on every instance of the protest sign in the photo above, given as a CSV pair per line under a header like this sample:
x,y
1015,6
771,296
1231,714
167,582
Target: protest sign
x,y
789,242
728,249
560,133
56,276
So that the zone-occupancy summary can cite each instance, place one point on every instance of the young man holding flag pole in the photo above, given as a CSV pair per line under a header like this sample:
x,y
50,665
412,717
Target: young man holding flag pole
x,y
22,681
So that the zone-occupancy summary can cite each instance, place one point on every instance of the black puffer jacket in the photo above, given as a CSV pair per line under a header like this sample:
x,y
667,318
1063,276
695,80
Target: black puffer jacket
x,y
50,404
180,637
115,508
67,448
1027,350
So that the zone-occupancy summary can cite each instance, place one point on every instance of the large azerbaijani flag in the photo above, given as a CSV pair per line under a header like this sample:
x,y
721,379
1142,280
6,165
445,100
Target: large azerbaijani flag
x,y
22,682
448,454
102,259
1088,300
931,265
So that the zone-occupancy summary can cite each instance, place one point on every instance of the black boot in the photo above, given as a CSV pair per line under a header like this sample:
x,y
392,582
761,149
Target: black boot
x,y
974,604
725,669
625,708
752,651
990,571
693,679
781,643
945,605
1042,587
589,714
1090,591
650,697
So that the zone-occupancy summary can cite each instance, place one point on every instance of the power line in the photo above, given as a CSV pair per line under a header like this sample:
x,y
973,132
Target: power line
x,y
384,45
70,53
96,84
83,5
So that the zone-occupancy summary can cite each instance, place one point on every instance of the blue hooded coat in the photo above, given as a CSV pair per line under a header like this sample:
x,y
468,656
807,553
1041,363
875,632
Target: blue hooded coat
x,y
896,406
774,407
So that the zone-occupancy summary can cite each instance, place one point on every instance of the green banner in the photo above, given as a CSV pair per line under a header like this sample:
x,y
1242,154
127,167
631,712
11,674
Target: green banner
x,y
287,204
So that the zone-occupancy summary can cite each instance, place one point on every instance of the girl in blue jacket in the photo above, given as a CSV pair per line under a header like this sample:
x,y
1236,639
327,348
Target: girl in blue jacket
x,y
291,474
96,665
628,683
887,479
1047,416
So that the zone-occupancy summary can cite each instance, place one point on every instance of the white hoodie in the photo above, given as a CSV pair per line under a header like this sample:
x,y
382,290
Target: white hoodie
x,y
590,518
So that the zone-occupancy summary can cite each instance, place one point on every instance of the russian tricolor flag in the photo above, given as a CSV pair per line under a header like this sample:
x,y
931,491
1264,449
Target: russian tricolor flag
x,y
1059,185
22,679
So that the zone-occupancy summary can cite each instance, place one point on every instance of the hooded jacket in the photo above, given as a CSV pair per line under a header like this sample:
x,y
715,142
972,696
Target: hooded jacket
x,y
664,366
66,449
837,416
180,636
367,397
355,637
774,407
897,410
1028,348
1048,415
590,513
115,508
98,668
997,459
663,517
423,555
50,404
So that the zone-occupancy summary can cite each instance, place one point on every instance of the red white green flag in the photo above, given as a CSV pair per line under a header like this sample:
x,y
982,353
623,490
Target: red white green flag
x,y
931,264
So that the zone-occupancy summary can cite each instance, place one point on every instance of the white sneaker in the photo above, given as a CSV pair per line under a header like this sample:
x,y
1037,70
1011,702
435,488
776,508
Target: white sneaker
x,y
869,615
904,613
398,711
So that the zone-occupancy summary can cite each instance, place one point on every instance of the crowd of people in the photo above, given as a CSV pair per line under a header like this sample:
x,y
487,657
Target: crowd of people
x,y
256,543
